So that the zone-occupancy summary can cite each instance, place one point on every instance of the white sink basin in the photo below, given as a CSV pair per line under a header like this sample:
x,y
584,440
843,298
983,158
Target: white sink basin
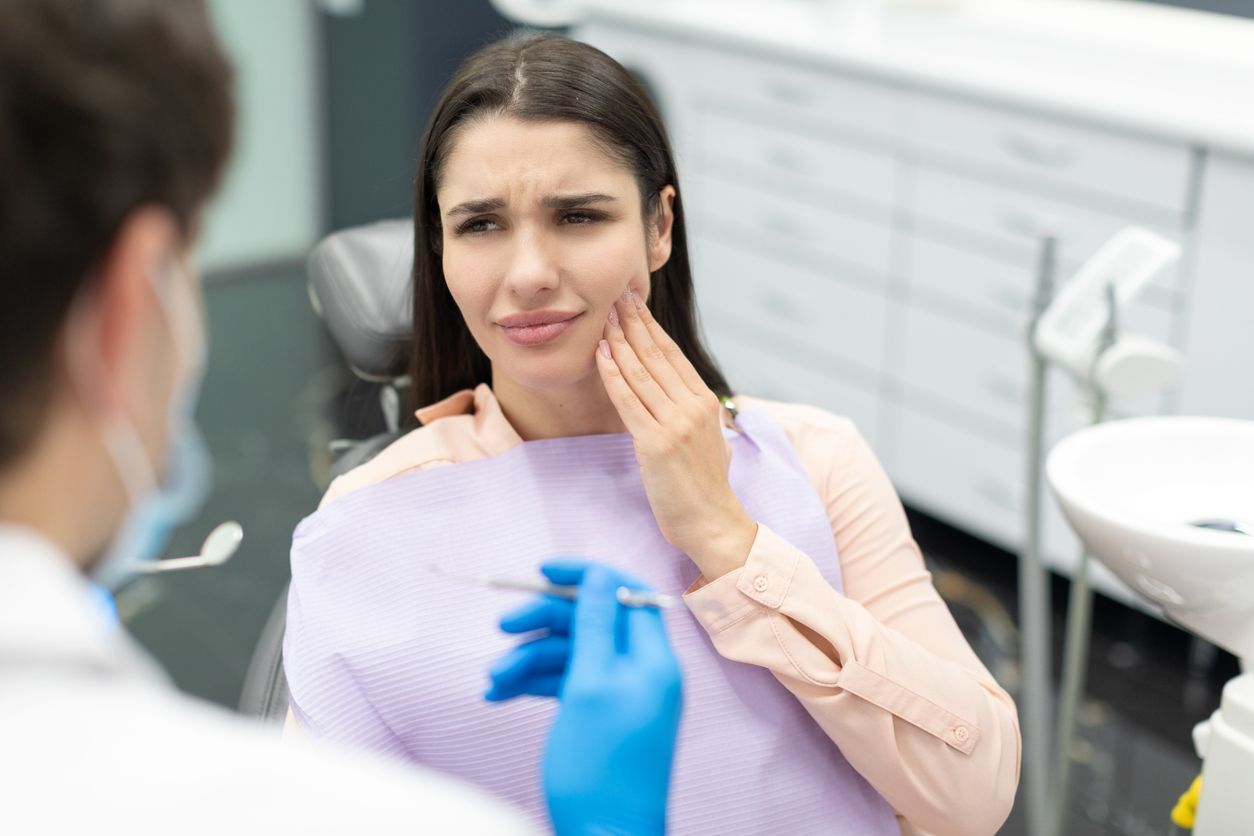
x,y
1131,490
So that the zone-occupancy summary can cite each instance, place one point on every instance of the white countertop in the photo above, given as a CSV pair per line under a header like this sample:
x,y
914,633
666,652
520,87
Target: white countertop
x,y
1171,73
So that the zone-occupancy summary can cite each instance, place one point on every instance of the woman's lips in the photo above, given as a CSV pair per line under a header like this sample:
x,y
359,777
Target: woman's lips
x,y
538,328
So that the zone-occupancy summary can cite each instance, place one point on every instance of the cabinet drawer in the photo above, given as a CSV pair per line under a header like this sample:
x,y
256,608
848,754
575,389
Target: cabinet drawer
x,y
999,291
1151,172
797,159
978,485
802,310
770,89
960,476
837,238
1016,221
974,371
753,370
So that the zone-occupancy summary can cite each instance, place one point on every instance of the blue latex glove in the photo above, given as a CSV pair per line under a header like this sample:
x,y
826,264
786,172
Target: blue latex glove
x,y
608,761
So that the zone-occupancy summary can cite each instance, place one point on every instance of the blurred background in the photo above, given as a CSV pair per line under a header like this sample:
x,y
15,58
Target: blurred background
x,y
897,167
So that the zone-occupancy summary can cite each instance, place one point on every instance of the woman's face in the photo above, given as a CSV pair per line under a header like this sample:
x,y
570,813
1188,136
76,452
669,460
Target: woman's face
x,y
542,232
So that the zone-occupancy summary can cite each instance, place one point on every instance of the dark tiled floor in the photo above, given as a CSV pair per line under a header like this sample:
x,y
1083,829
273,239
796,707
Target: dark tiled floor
x,y
266,401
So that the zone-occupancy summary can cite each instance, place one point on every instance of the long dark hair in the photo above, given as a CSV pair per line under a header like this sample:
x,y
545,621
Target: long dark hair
x,y
542,78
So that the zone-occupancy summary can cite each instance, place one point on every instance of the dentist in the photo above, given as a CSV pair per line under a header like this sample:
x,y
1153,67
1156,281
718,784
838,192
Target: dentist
x,y
115,124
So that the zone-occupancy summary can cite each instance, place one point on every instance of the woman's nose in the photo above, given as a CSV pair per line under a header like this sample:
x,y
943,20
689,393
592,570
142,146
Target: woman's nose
x,y
533,268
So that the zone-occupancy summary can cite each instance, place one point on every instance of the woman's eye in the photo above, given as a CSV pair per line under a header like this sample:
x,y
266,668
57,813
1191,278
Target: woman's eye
x,y
477,225
580,217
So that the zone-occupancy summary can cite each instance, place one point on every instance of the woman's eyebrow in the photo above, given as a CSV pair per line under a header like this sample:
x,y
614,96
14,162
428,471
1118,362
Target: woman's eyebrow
x,y
564,201
571,201
477,207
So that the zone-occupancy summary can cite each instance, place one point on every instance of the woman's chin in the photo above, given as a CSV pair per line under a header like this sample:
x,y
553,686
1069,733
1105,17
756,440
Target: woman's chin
x,y
550,373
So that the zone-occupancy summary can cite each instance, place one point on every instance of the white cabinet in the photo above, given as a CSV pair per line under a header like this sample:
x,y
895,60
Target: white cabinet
x,y
845,240
829,324
871,246
1052,150
796,160
1012,221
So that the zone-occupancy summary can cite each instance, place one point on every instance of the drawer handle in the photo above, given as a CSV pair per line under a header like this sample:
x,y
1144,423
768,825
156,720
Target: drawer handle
x,y
779,305
786,158
1040,152
1004,388
789,93
997,493
1010,298
781,224
1020,222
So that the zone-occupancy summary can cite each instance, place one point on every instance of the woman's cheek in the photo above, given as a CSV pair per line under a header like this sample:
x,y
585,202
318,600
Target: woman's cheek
x,y
612,266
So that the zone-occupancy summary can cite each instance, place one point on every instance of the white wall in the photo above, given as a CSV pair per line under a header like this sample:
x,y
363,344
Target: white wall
x,y
268,208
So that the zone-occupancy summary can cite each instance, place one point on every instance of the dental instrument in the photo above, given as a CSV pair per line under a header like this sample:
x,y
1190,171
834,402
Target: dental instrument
x,y
219,547
626,597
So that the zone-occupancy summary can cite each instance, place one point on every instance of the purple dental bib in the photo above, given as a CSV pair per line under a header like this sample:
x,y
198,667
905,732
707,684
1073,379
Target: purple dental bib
x,y
384,654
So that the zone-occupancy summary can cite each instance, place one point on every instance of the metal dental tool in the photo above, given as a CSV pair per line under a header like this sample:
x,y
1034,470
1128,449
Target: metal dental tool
x,y
626,597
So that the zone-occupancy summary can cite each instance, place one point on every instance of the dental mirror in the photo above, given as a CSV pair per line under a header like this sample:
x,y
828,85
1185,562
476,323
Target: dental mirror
x,y
219,547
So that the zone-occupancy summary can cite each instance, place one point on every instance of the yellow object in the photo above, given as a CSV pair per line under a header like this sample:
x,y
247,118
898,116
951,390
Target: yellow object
x,y
1185,812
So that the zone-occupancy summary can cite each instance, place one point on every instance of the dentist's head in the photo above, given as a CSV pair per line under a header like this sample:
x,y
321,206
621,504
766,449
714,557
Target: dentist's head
x,y
110,144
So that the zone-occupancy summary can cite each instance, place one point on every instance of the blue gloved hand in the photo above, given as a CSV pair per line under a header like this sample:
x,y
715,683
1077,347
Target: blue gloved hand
x,y
608,761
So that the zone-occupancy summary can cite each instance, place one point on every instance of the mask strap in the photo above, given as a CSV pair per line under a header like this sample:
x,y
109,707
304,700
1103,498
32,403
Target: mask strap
x,y
120,438
130,460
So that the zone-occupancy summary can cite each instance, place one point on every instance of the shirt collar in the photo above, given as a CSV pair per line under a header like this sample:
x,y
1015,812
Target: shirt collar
x,y
492,430
49,614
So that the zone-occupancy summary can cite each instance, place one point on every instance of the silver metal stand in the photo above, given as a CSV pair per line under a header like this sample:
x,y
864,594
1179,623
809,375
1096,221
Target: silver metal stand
x,y
1034,626
1079,613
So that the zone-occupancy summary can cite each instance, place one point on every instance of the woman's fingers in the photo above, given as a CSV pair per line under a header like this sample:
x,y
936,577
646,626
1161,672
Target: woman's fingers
x,y
634,372
670,350
632,315
637,418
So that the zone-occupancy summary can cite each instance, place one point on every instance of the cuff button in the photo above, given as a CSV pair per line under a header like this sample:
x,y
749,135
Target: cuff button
x,y
760,583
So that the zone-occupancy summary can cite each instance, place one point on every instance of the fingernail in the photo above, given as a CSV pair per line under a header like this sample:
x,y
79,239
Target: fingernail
x,y
638,300
614,317
604,348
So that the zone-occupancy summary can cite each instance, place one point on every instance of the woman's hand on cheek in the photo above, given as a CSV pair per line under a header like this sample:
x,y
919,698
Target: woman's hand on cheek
x,y
676,423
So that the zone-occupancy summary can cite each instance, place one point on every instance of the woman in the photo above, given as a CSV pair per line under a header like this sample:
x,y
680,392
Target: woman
x,y
574,409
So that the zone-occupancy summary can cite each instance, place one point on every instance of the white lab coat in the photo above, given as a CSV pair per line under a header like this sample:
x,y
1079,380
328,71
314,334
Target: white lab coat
x,y
93,740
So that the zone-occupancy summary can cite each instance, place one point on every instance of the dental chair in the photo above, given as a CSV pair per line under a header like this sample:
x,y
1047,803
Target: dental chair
x,y
359,285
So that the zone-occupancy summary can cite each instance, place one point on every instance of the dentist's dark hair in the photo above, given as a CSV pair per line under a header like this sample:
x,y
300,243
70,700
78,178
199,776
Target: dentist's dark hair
x,y
544,78
106,106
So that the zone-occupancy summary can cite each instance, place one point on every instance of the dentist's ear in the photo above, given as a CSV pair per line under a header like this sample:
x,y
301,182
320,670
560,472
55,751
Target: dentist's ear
x,y
124,327
660,227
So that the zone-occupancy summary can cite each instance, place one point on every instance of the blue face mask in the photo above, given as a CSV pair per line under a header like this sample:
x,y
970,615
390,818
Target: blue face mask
x,y
158,506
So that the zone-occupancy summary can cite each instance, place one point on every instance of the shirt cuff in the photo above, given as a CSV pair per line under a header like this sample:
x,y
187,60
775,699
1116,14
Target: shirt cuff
x,y
763,581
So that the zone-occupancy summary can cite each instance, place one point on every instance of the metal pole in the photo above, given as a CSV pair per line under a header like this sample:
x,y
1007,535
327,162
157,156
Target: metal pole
x,y
1034,627
1079,610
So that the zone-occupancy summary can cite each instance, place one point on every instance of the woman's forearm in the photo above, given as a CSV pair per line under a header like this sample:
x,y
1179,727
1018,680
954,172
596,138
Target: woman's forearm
x,y
939,740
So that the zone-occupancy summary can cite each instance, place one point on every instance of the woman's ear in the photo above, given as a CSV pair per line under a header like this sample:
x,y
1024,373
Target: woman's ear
x,y
663,222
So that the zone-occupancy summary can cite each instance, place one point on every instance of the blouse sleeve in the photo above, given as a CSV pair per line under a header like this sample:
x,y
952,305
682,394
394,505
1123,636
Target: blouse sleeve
x,y
882,668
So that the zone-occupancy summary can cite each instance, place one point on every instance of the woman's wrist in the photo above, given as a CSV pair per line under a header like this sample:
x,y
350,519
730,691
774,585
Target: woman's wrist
x,y
724,547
